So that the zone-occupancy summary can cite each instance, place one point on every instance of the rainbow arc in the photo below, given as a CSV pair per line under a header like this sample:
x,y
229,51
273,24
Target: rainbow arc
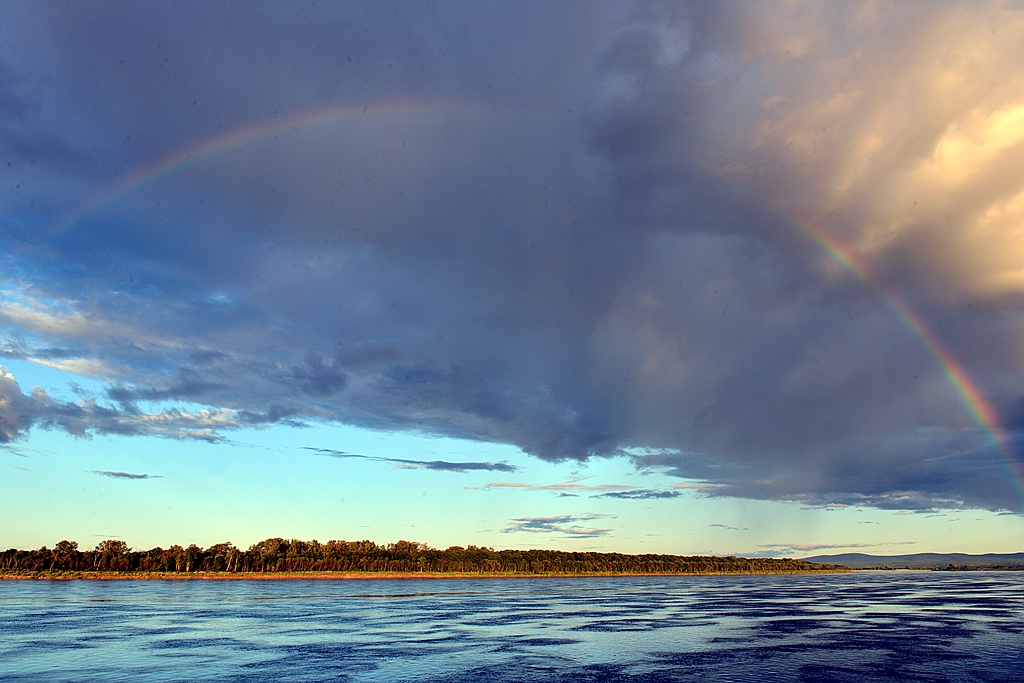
x,y
973,398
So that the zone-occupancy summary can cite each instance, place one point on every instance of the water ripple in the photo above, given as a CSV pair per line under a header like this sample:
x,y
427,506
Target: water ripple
x,y
934,627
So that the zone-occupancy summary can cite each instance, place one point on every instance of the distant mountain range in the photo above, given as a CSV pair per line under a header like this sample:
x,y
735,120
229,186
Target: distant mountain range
x,y
921,560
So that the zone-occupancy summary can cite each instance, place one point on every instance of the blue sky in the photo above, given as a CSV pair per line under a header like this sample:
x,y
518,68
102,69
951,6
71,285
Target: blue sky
x,y
557,276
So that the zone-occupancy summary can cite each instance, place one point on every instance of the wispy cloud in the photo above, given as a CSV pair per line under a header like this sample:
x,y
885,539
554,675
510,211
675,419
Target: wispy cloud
x,y
805,548
707,488
433,465
809,547
568,526
729,528
125,475
572,488
563,488
641,494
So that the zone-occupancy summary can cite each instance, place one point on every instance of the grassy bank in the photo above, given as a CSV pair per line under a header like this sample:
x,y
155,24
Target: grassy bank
x,y
23,575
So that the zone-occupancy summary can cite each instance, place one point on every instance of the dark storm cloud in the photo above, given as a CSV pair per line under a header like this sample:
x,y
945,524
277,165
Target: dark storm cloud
x,y
581,229
434,465
186,385
25,139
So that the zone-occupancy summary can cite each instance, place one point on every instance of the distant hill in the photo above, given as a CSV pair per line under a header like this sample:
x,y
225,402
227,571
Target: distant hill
x,y
921,560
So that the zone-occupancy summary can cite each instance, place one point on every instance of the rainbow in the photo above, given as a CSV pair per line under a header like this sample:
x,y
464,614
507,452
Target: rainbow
x,y
981,410
237,138
977,404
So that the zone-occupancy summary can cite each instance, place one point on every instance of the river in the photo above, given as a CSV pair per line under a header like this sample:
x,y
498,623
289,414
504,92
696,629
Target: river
x,y
885,626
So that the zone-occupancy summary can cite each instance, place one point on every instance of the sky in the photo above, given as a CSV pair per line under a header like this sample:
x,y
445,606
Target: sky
x,y
684,277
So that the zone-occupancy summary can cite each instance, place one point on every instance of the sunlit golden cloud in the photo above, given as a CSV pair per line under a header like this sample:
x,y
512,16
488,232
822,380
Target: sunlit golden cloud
x,y
899,130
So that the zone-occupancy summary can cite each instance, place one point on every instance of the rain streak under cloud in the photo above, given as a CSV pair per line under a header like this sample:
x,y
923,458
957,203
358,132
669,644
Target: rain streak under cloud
x,y
585,230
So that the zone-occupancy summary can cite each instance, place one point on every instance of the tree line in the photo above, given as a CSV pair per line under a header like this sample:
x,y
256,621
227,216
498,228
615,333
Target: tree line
x,y
293,555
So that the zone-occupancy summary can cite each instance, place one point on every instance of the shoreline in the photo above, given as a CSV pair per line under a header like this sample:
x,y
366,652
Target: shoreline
x,y
352,576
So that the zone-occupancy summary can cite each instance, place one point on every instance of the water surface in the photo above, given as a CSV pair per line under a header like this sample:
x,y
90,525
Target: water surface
x,y
916,626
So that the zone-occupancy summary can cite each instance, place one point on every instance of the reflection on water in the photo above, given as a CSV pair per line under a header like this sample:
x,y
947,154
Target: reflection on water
x,y
863,627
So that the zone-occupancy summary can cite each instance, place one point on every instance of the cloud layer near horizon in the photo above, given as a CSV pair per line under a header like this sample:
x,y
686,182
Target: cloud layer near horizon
x,y
579,229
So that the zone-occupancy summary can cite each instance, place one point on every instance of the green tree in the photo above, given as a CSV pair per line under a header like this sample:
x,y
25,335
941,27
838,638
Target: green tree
x,y
65,555
110,554
192,555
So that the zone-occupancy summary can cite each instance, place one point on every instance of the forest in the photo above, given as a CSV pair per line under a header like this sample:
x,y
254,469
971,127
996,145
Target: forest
x,y
278,555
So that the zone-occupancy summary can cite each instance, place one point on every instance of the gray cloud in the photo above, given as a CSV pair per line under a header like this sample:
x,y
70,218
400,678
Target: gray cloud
x,y
15,418
434,465
571,488
582,229
87,417
575,489
125,475
565,525
7,449
641,494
